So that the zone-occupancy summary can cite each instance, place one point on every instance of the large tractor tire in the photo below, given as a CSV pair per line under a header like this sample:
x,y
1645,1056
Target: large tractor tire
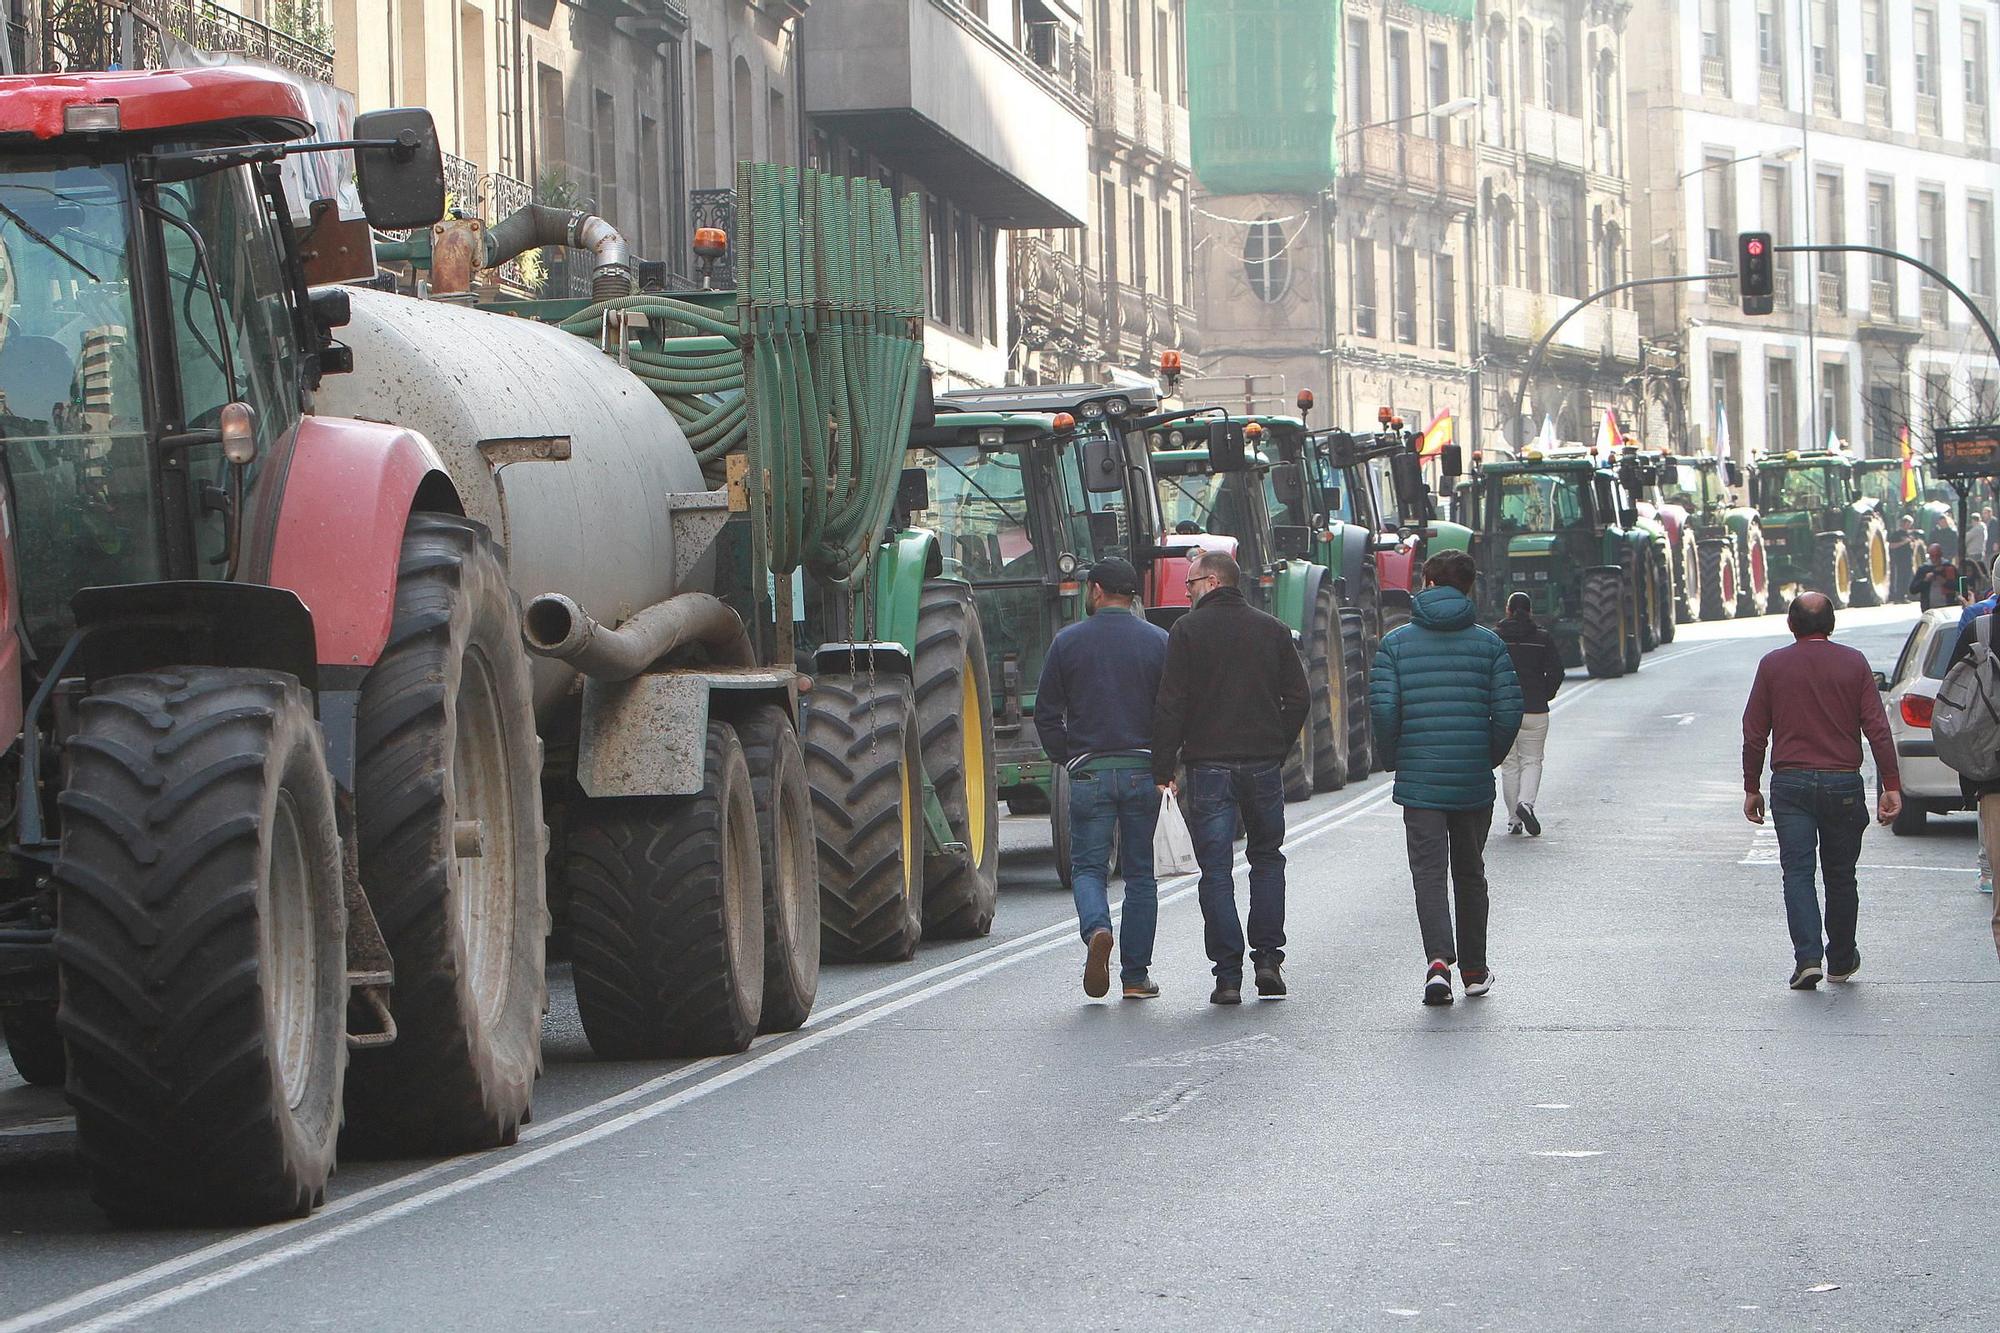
x,y
1645,595
202,948
1635,610
1298,769
666,912
1832,574
1870,584
1395,612
1059,822
33,1043
1366,597
1602,623
955,723
790,860
1326,675
1718,584
1753,574
1665,615
866,769
1360,732
1687,579
448,809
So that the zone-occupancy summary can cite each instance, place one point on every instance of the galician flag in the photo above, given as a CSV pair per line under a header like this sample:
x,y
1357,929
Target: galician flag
x,y
1609,439
1722,446
1909,467
1437,435
1546,440
1832,441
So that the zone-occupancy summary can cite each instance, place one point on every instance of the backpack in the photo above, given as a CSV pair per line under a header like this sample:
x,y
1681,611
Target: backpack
x,y
1965,722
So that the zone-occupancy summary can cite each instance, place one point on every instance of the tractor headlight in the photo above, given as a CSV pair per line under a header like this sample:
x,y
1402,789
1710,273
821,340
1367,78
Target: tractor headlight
x,y
1091,411
1176,438
1117,407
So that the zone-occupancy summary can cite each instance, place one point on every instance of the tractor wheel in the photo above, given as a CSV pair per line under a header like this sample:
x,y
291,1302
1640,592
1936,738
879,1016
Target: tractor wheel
x,y
1602,628
666,908
1298,767
1367,599
1360,733
448,813
1395,614
1832,574
1645,596
1687,579
34,1044
1718,580
1666,614
1753,574
1326,674
790,862
1059,822
202,950
955,722
1634,599
1911,820
867,774
1870,585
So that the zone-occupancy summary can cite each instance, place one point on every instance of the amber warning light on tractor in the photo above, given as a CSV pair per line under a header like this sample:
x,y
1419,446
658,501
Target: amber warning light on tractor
x,y
1064,421
711,242
1170,363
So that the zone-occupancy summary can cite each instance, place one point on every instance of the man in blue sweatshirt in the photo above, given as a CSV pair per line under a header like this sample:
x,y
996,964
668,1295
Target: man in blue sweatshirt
x,y
1094,714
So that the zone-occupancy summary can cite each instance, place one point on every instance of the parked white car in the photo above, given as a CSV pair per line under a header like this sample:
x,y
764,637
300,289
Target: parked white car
x,y
1909,692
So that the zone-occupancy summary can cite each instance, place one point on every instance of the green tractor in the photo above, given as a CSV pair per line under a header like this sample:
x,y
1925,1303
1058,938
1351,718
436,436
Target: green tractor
x,y
1565,532
1820,531
1013,516
1729,574
1881,480
1640,475
1217,492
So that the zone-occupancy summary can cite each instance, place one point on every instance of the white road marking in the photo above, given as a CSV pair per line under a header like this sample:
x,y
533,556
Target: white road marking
x,y
942,980
1170,1103
40,1128
1222,1052
1571,1152
1679,719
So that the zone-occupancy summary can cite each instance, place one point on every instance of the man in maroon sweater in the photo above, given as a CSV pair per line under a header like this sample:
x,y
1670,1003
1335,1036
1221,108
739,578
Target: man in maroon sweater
x,y
1812,703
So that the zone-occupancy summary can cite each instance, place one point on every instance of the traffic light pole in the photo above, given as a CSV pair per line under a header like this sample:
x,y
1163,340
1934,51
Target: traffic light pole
x,y
1534,360
1978,315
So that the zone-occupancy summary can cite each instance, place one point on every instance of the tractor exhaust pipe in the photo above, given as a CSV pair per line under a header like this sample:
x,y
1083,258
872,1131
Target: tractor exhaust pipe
x,y
540,224
555,626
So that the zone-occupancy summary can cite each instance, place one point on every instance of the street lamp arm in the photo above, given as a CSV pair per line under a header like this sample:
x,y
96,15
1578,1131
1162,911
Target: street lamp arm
x,y
1457,106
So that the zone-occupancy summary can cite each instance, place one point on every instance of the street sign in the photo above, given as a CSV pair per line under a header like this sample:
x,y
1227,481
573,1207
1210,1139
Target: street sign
x,y
1755,276
1966,451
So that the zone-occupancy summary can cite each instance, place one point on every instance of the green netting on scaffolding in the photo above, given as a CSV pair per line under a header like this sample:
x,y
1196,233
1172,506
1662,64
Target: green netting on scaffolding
x,y
816,377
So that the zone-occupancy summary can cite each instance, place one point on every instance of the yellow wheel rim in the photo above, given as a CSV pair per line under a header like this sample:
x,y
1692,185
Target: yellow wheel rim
x,y
972,728
911,822
1878,560
1840,573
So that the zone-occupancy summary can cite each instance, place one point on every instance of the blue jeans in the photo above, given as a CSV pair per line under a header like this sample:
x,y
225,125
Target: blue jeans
x,y
1216,795
1125,799
1828,809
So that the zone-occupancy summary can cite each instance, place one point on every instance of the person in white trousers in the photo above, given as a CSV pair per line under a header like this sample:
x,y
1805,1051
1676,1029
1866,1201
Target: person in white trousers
x,y
1538,666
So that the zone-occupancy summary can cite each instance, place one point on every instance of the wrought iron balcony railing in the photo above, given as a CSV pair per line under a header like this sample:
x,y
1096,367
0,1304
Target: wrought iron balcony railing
x,y
90,34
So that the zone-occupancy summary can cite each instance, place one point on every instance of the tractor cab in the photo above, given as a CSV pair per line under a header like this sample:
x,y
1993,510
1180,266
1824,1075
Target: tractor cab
x,y
1887,482
1820,530
1216,493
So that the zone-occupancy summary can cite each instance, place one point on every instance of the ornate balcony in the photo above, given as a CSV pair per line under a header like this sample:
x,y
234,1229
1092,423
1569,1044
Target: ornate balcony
x,y
1715,76
1721,284
1826,94
1882,299
1976,122
1933,307
83,34
1059,51
1832,292
1411,163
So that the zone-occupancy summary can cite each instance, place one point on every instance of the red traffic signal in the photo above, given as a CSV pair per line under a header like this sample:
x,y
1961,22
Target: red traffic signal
x,y
1754,272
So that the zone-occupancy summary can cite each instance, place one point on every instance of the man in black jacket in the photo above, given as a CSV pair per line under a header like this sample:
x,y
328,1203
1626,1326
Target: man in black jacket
x,y
1538,666
1231,703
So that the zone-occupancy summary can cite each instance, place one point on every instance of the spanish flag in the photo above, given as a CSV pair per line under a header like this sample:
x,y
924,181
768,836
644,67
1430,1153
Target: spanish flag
x,y
1610,440
1436,435
1909,468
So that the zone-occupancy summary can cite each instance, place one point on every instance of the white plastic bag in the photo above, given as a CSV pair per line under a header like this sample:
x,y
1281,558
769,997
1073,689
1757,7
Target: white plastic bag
x,y
1173,845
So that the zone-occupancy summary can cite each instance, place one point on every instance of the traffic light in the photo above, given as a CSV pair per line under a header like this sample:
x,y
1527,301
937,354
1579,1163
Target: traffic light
x,y
1753,271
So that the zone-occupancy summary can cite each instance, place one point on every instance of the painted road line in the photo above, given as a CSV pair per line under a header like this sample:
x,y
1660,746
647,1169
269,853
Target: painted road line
x,y
518,1161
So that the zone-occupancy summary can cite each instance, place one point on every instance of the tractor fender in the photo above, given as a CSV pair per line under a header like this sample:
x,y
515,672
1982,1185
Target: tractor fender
x,y
349,491
1297,591
1356,546
902,564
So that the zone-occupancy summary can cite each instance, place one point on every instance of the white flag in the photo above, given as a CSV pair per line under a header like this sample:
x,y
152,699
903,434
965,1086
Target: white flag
x,y
1546,440
1722,445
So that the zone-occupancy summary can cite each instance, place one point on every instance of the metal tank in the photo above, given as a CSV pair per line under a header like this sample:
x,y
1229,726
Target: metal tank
x,y
574,465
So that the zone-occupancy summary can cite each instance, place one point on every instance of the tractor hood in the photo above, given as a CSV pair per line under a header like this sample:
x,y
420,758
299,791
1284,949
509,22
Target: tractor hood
x,y
1532,543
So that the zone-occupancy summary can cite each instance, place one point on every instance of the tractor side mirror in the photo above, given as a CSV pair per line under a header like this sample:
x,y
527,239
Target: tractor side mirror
x,y
1732,472
1332,499
401,177
1103,533
1629,475
1103,466
1628,517
924,414
1292,541
1228,448
1288,483
1451,462
1406,472
913,491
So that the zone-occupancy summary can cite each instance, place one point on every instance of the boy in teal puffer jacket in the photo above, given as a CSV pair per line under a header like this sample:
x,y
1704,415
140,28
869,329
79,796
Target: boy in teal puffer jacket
x,y
1446,705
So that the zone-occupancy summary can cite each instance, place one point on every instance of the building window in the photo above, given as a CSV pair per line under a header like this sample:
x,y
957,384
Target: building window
x,y
1555,80
1605,92
1825,39
1932,246
1496,48
1775,214
1937,398
1715,32
1399,74
1833,399
1881,231
1725,387
1403,290
939,219
1133,29
1444,301
1524,61
1770,37
778,126
1979,247
1138,250
1500,226
604,155
1719,199
1265,261
1360,103
1610,255
1531,244
1163,66
1439,77
552,154
1564,248
1167,269
743,113
1781,404
1107,230
1874,45
1924,70
1364,288
1972,43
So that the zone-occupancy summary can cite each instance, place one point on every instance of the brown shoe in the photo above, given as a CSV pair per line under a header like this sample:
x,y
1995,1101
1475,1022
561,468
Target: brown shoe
x,y
1097,965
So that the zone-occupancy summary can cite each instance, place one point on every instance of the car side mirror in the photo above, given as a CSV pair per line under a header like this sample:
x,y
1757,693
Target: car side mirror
x,y
1103,466
1881,681
1228,447
401,177
1293,541
1103,533
1288,483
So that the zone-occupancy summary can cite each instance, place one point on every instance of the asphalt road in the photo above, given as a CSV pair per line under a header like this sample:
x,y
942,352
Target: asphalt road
x,y
1640,1127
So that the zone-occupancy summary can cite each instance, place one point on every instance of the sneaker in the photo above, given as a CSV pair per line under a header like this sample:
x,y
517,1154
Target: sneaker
x,y
1513,827
1226,993
1986,884
1145,988
1097,964
1848,973
1806,976
1526,814
1476,983
1437,984
1270,982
